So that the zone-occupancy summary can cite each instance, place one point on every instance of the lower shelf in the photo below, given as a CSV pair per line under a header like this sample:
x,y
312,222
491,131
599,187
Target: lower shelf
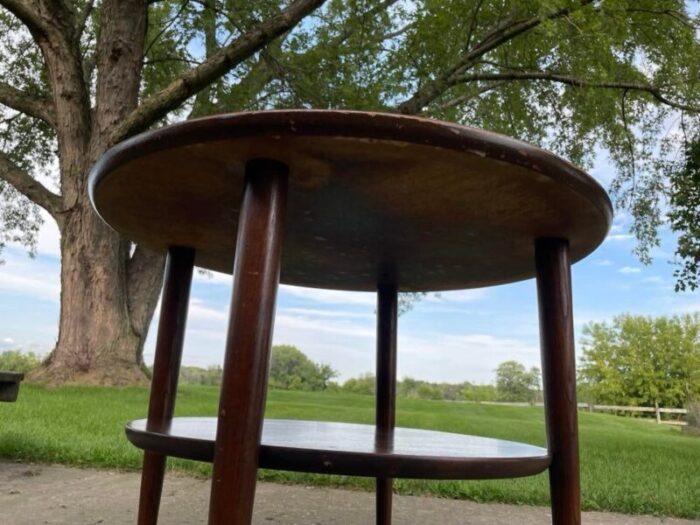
x,y
354,450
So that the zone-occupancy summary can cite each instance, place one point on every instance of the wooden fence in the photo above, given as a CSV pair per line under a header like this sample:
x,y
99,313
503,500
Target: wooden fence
x,y
657,411
607,408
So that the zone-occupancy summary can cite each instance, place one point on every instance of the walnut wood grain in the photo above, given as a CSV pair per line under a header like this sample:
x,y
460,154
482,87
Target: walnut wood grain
x,y
246,360
435,205
350,449
166,370
559,378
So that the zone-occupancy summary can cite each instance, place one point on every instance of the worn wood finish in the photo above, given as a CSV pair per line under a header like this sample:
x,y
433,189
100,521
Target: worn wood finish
x,y
166,370
9,386
387,325
445,206
559,377
244,383
351,450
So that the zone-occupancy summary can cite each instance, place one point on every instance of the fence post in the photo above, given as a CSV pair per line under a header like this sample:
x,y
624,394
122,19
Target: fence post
x,y
658,412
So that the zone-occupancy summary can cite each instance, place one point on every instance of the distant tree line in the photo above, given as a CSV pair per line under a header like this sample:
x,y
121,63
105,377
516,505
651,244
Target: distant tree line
x,y
201,376
418,389
630,360
291,369
513,383
643,361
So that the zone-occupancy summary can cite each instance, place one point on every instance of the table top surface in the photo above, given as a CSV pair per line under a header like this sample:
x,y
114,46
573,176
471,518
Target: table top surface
x,y
373,197
354,449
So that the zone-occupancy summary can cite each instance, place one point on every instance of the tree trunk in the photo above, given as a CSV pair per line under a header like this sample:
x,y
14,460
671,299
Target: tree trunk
x,y
106,305
108,293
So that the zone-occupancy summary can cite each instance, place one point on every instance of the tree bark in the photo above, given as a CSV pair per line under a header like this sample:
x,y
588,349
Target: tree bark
x,y
108,295
99,341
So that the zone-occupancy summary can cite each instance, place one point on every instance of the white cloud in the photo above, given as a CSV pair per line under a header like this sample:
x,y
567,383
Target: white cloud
x,y
458,296
199,312
603,262
619,237
291,323
456,358
327,313
629,270
330,296
30,280
48,240
688,308
8,341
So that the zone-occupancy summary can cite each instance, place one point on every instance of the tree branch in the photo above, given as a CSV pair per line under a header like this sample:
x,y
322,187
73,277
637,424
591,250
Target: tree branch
x,y
165,27
472,25
30,187
40,108
349,29
26,12
576,82
83,18
469,96
159,104
502,33
676,15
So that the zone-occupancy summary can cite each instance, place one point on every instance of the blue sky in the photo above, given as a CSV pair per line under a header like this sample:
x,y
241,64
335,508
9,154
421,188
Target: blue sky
x,y
455,337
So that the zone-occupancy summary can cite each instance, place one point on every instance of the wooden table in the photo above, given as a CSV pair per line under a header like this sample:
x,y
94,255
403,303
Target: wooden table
x,y
347,201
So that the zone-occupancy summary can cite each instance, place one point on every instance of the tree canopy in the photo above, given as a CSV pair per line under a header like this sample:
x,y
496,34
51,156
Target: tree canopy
x,y
291,369
575,76
515,383
684,217
636,360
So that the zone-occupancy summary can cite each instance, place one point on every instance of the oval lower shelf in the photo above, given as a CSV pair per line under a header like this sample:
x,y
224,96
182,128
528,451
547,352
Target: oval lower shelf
x,y
354,450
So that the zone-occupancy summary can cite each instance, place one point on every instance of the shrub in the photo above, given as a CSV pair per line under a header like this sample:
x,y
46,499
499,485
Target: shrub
x,y
365,384
17,361
291,369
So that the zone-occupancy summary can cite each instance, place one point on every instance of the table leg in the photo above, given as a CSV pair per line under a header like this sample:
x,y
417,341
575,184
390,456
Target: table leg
x,y
166,369
244,383
387,316
559,377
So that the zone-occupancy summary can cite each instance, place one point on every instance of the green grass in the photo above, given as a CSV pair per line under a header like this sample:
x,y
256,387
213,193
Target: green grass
x,y
627,465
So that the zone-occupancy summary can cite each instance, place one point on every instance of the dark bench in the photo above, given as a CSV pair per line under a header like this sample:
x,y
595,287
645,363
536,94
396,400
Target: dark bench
x,y
9,385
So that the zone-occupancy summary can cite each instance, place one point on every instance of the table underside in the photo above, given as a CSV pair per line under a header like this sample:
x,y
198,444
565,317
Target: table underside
x,y
372,198
354,450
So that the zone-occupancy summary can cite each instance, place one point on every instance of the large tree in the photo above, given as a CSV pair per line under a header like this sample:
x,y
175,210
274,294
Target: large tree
x,y
78,77
515,383
291,369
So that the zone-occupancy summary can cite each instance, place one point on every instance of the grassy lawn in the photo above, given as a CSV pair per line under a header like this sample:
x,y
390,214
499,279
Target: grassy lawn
x,y
628,465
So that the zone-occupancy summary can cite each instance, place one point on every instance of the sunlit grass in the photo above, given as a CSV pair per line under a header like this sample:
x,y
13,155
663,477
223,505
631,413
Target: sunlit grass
x,y
627,465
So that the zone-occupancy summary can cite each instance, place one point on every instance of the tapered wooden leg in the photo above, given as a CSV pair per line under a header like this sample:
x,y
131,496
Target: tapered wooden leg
x,y
387,316
255,279
559,377
166,369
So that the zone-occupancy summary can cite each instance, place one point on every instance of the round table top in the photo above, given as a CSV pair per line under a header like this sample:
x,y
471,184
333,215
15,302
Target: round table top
x,y
353,449
373,197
